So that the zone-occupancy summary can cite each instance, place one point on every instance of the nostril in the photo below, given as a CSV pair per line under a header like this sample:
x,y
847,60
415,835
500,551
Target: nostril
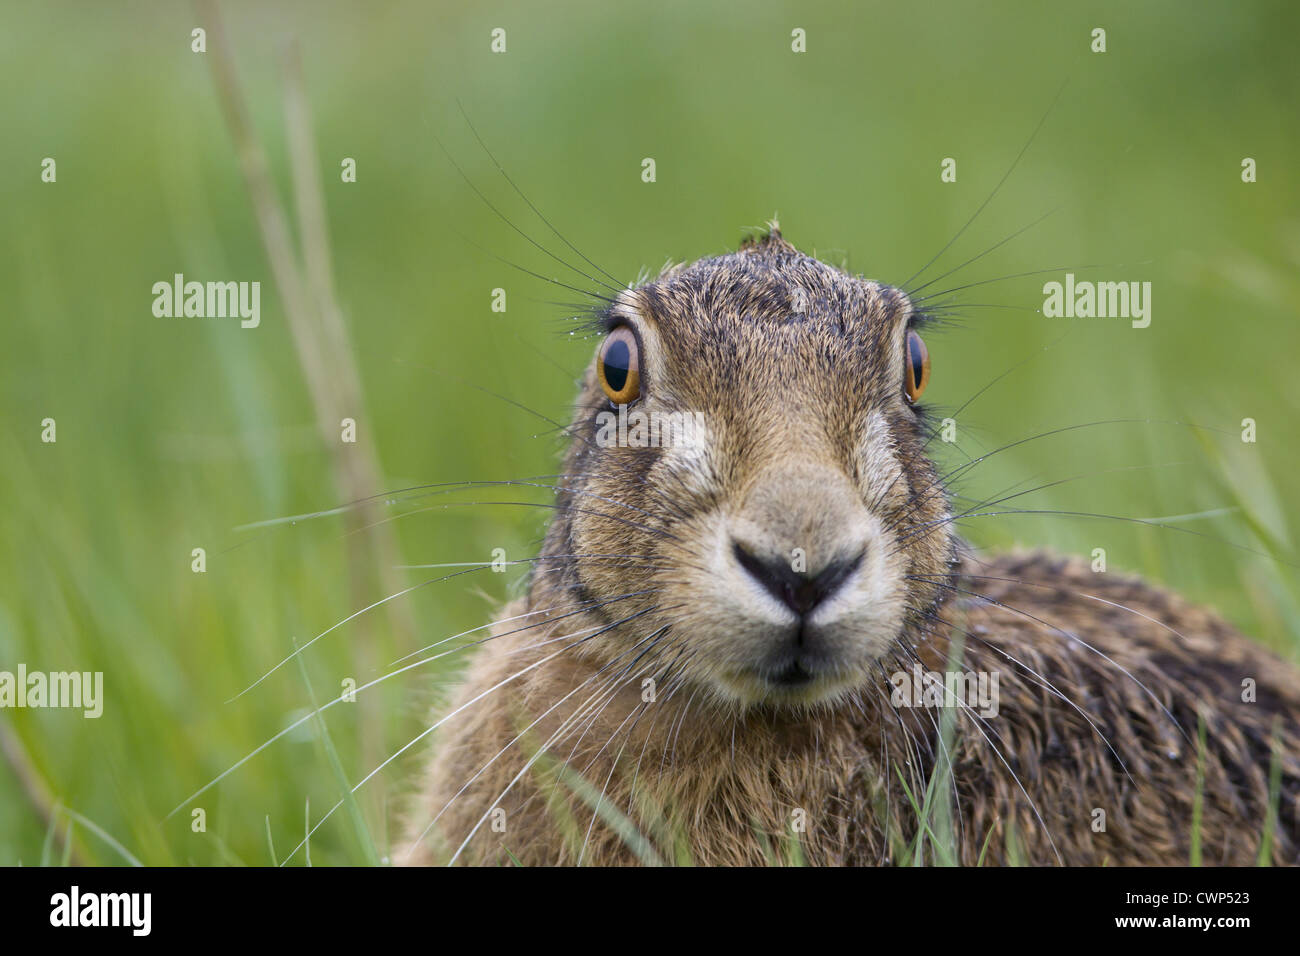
x,y
801,592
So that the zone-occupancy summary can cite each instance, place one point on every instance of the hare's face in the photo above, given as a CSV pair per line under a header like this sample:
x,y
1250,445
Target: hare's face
x,y
747,442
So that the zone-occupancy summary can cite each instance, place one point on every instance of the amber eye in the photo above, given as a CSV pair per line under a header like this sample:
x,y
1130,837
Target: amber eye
x,y
917,374
618,365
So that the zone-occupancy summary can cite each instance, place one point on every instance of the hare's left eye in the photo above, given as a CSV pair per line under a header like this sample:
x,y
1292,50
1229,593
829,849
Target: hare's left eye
x,y
618,366
916,374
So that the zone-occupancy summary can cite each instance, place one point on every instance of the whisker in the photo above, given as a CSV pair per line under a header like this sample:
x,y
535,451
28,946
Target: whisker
x,y
502,216
987,503
980,723
1042,681
529,272
1016,275
527,766
1082,643
424,733
1019,365
350,617
537,211
939,485
1126,519
991,248
347,696
580,606
1005,176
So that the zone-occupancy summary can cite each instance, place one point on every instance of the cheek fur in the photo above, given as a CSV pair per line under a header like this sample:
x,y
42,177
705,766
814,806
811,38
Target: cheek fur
x,y
884,485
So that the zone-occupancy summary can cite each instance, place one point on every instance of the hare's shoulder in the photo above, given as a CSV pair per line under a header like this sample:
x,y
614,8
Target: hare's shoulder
x,y
1113,642
1106,685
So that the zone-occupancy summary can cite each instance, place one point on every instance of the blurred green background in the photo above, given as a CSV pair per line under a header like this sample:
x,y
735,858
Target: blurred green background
x,y
175,433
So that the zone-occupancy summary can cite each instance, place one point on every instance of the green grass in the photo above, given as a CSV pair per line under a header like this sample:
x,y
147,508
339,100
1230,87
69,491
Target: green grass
x,y
173,433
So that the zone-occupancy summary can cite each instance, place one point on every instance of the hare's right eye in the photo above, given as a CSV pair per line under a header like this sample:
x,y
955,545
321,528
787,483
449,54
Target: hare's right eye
x,y
618,366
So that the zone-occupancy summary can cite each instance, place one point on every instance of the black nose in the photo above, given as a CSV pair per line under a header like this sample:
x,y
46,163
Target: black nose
x,y
799,591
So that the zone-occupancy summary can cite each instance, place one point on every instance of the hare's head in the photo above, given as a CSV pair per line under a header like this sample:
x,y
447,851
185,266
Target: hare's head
x,y
749,477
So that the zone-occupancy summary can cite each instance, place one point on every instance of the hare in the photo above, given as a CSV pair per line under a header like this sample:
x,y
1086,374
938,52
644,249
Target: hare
x,y
733,640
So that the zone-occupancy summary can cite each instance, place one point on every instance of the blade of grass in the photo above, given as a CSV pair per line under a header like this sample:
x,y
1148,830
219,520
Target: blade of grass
x,y
270,843
610,815
1198,799
34,786
336,766
47,846
104,835
1274,796
984,849
66,859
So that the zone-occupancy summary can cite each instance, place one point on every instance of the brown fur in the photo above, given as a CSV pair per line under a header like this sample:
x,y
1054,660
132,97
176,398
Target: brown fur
x,y
1102,678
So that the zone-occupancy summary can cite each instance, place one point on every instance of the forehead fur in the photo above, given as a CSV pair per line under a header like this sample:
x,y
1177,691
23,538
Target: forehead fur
x,y
769,281
767,320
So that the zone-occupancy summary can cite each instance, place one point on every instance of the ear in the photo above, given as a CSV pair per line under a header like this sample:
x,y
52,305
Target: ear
x,y
766,241
671,269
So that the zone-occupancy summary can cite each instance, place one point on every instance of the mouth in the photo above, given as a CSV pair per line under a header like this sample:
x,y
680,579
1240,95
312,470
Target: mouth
x,y
802,661
798,674
800,666
793,675
796,681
